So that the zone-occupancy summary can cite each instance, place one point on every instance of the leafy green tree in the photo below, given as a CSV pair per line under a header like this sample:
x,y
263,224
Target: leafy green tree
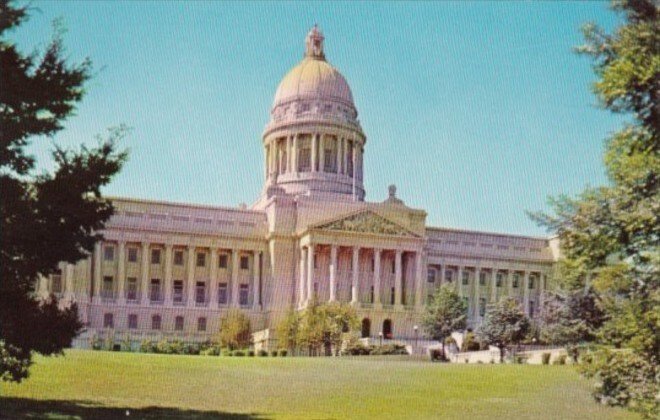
x,y
235,332
48,217
287,330
613,232
311,332
445,313
504,325
339,321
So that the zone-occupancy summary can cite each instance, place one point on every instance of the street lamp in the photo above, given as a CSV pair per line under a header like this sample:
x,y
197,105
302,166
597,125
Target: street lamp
x,y
415,328
380,336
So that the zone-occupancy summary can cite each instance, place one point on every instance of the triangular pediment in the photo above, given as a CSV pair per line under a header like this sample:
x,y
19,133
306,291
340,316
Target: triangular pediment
x,y
365,222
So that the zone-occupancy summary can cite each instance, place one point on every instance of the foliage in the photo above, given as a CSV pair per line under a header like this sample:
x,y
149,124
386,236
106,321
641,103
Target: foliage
x,y
273,353
610,235
545,358
445,313
49,217
282,353
560,360
470,343
359,349
287,330
262,353
235,330
504,324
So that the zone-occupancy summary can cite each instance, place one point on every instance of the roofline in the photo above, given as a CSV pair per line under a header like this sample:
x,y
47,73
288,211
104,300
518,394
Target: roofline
x,y
500,234
179,204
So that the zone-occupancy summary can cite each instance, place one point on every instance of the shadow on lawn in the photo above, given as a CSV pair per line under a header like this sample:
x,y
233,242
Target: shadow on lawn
x,y
20,408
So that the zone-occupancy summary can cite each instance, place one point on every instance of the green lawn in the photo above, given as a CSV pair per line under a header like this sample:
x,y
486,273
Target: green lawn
x,y
87,384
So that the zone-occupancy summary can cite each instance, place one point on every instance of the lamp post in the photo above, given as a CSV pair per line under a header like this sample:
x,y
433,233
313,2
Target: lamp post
x,y
416,328
380,337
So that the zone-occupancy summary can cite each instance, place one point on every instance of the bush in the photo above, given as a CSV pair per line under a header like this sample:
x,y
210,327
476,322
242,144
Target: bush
x,y
545,358
282,353
520,359
389,349
470,343
357,349
250,353
95,343
273,353
560,360
147,346
262,353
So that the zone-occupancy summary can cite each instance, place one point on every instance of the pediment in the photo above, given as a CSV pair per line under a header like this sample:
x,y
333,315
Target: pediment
x,y
365,222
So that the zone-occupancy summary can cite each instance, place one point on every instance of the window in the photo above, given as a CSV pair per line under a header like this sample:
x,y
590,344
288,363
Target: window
x,y
222,261
305,159
154,292
132,322
245,263
330,161
201,324
131,288
430,275
155,322
482,278
106,290
449,276
531,282
178,257
516,280
393,267
465,277
178,323
243,295
482,306
201,259
392,293
109,253
499,279
222,293
108,321
200,292
56,283
177,296
155,256
132,254
531,308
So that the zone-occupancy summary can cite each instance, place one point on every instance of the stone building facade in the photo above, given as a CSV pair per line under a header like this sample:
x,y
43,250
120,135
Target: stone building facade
x,y
173,270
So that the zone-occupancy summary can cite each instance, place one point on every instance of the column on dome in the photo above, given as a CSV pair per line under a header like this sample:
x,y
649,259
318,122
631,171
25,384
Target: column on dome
x,y
266,159
322,156
345,157
289,140
398,279
340,155
355,282
377,252
294,154
314,151
333,273
337,154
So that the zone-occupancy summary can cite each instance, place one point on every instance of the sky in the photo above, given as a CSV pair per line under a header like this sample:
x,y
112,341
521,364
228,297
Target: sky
x,y
476,111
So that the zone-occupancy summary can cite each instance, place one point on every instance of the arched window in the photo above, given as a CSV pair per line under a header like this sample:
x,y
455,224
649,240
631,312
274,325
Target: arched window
x,y
387,329
366,328
155,322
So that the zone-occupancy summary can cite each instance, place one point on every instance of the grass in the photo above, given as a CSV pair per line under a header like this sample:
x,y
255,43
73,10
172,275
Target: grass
x,y
97,385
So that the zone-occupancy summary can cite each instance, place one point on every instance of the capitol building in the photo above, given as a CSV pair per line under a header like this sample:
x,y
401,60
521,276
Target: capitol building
x,y
173,270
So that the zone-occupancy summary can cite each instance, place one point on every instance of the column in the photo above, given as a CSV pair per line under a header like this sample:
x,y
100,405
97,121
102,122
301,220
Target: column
x,y
144,278
526,292
190,276
234,278
121,272
213,280
459,280
346,148
97,272
509,283
398,281
314,150
419,280
340,159
493,285
333,273
167,282
294,154
377,252
68,285
42,286
310,272
477,291
355,283
442,273
302,284
322,153
288,154
256,286
266,162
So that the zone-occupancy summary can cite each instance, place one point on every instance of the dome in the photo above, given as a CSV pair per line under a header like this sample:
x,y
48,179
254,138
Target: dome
x,y
313,78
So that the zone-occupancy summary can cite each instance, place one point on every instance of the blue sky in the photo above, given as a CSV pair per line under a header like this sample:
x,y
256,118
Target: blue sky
x,y
476,111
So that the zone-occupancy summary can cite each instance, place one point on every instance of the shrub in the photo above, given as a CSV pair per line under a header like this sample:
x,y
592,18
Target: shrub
x,y
147,346
239,353
262,353
250,353
357,349
389,349
470,343
545,358
95,342
520,359
273,353
560,360
282,353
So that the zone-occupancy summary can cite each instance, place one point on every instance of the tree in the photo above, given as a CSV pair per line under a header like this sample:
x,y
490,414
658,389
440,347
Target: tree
x,y
504,324
49,217
445,313
287,330
339,320
235,330
612,232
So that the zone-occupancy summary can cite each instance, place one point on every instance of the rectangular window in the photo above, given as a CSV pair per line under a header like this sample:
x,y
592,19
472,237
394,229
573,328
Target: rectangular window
x,y
155,256
178,257
392,294
482,306
108,321
516,280
482,278
245,263
243,295
177,296
222,293
223,260
106,290
155,322
56,283
109,253
465,278
132,322
201,324
393,267
449,276
372,294
178,323
531,309
201,259
154,292
132,254
131,288
200,292
499,279
532,281
430,275
330,161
